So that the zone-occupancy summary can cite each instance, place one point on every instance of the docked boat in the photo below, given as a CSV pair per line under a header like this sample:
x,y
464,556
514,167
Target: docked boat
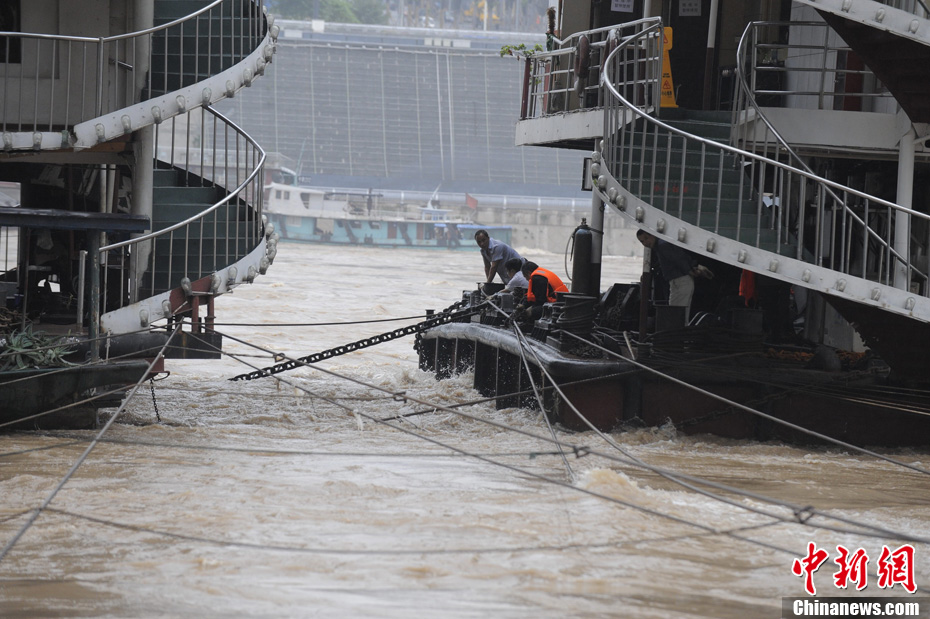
x,y
138,201
368,218
796,162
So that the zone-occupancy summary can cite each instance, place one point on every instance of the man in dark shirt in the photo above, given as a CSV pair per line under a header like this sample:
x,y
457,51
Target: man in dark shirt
x,y
678,268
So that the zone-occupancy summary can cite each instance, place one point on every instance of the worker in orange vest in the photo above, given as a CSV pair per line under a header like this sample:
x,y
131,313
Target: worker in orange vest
x,y
543,286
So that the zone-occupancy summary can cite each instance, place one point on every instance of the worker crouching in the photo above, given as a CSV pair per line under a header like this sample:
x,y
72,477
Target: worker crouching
x,y
542,287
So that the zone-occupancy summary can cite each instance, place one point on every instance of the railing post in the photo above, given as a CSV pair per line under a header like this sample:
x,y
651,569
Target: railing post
x,y
93,323
527,73
210,318
82,269
195,313
101,64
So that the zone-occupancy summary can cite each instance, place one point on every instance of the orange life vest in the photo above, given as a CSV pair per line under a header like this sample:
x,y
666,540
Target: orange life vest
x,y
554,285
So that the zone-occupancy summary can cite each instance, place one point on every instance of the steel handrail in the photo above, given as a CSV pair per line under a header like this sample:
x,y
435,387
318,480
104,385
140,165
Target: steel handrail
x,y
117,37
180,20
744,61
103,60
561,62
107,39
760,158
234,193
724,148
50,37
743,85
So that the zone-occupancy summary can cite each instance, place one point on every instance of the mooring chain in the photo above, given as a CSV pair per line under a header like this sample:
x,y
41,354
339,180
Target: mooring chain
x,y
154,402
450,314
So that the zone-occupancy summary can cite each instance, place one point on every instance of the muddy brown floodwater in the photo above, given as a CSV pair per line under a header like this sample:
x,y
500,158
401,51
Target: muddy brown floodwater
x,y
288,499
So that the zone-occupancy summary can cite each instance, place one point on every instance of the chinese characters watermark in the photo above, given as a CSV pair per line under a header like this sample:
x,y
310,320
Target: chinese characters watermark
x,y
894,567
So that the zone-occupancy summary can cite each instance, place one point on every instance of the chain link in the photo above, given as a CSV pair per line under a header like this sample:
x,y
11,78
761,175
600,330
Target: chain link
x,y
154,403
450,314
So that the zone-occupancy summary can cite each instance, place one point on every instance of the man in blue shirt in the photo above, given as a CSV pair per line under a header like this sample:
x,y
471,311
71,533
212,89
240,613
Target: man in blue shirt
x,y
495,255
678,267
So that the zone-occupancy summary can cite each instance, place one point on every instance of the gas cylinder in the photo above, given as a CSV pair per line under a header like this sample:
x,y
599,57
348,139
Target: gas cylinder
x,y
583,240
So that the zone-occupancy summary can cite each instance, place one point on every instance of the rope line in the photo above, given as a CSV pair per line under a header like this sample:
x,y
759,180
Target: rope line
x,y
688,481
38,511
542,410
800,515
753,411
512,467
396,552
844,392
22,452
278,395
267,451
313,324
447,315
14,516
866,529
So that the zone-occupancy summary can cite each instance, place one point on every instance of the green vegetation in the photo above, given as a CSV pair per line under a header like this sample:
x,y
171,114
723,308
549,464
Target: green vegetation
x,y
520,50
28,349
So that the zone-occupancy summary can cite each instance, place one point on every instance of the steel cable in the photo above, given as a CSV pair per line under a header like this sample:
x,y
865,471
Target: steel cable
x,y
38,511
796,510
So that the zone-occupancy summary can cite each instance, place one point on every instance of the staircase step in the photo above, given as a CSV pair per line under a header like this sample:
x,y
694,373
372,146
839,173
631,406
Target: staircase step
x,y
165,178
671,114
649,142
223,245
673,204
209,232
179,211
693,175
711,131
768,239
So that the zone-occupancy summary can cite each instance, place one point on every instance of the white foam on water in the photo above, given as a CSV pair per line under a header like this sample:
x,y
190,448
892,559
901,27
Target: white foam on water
x,y
268,499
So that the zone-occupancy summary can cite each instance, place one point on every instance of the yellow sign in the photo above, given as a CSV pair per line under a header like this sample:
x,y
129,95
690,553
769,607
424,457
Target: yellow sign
x,y
668,85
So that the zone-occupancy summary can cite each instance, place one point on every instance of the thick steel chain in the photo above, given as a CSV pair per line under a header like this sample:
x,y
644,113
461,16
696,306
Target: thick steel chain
x,y
447,315
154,402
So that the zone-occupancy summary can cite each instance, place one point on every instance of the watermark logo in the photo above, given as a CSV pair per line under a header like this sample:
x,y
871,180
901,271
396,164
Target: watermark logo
x,y
894,567
855,608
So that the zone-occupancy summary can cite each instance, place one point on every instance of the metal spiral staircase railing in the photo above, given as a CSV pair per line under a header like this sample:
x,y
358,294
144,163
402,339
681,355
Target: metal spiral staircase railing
x,y
105,87
746,209
753,131
209,236
208,233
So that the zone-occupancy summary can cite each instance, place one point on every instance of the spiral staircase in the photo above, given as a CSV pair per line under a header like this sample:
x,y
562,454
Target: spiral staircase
x,y
730,187
139,107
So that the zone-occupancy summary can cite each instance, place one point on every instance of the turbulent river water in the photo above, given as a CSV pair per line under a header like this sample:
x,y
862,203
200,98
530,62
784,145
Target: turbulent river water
x,y
288,499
